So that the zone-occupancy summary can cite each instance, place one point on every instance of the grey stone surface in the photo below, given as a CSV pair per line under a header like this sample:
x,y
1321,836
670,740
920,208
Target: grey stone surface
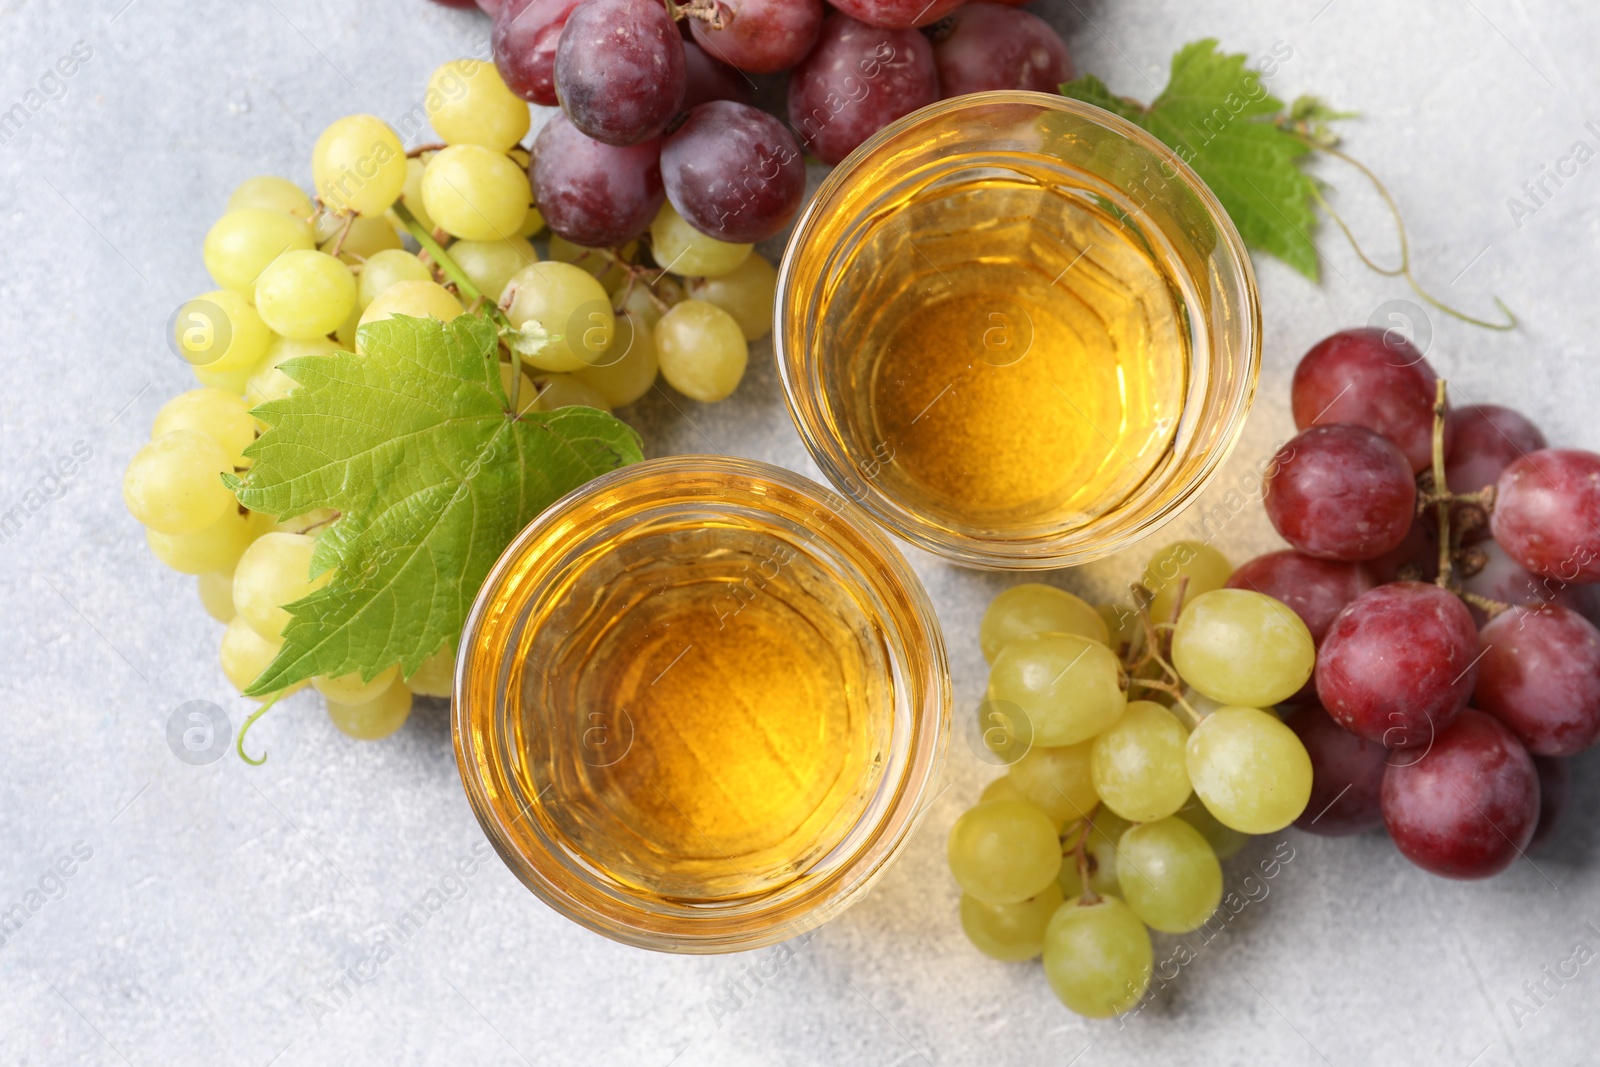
x,y
233,915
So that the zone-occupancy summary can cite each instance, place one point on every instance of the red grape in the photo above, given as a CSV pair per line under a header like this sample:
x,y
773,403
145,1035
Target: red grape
x,y
1540,675
1419,548
1372,378
1341,492
619,69
1555,781
761,36
1504,579
1547,513
897,14
456,3
987,46
1399,663
1468,806
709,79
524,40
1487,440
857,80
1315,589
1346,776
490,7
734,172
594,194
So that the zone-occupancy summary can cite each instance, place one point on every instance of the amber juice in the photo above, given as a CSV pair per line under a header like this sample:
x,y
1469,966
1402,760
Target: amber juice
x,y
695,690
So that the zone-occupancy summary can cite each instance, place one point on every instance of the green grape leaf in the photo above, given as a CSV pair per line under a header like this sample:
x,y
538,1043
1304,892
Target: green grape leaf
x,y
413,444
1218,117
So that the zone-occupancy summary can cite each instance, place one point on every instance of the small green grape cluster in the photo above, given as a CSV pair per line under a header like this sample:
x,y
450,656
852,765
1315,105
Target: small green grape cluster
x,y
1150,751
297,276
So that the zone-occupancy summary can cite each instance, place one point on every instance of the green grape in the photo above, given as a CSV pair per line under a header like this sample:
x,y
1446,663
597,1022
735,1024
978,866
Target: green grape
x,y
629,367
652,301
1069,686
701,351
1204,567
1225,841
1010,932
527,397
435,676
1032,608
375,719
568,390
350,689
1243,648
245,654
1170,876
747,294
272,193
600,263
489,265
533,222
688,253
1003,852
1002,788
1057,781
216,413
275,570
241,244
358,166
216,595
386,268
1097,957
412,194
570,306
270,383
233,381
212,548
475,193
174,484
1249,769
1123,626
418,299
1100,850
219,333
357,239
468,103
305,294
1138,764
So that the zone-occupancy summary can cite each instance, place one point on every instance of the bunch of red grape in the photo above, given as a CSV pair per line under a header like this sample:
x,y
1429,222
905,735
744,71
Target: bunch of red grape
x,y
1441,560
655,97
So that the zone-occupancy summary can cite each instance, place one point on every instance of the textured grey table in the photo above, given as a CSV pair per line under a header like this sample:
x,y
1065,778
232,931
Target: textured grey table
x,y
222,914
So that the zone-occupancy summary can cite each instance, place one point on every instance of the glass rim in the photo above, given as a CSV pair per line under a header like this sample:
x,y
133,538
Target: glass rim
x,y
1065,548
743,923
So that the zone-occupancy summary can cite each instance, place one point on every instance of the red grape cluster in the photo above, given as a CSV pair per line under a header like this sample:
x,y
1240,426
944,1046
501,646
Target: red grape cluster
x,y
1457,663
655,97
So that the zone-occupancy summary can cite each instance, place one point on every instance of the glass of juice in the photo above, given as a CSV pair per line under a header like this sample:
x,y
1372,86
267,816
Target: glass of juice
x,y
1018,330
698,704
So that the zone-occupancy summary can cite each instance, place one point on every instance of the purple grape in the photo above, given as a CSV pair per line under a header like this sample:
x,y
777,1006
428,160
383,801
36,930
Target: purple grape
x,y
1346,776
1540,675
1373,378
1398,664
594,194
524,39
1504,579
1555,784
1315,589
1341,492
1488,439
1547,513
761,36
619,70
1467,807
897,14
989,46
708,80
857,80
733,172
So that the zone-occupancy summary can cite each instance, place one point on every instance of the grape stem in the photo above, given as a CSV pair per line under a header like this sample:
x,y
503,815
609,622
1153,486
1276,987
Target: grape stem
x,y
1087,895
1444,501
433,146
1441,486
344,231
708,11
238,744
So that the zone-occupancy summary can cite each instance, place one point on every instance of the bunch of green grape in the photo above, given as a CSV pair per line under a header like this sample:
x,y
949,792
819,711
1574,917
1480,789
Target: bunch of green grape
x,y
298,273
1149,752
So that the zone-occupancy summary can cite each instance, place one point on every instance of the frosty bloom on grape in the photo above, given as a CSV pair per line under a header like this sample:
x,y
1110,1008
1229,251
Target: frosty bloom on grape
x,y
870,69
51,86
